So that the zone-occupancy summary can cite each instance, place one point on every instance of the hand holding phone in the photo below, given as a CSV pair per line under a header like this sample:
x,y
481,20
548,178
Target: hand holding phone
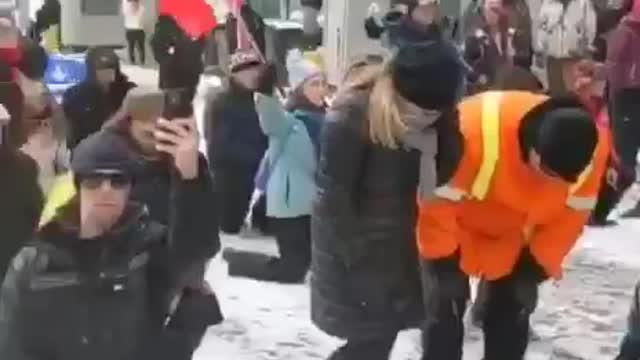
x,y
179,138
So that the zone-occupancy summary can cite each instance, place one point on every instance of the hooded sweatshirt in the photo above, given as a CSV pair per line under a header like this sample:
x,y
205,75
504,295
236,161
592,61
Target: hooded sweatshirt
x,y
86,106
623,56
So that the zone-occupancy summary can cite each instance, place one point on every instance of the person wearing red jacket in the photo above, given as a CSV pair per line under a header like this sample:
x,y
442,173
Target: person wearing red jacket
x,y
513,209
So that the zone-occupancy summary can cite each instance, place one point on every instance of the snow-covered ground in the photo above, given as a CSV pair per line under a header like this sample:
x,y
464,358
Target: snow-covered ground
x,y
581,317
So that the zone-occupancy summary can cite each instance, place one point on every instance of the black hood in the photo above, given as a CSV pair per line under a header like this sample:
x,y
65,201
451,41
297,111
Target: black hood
x,y
101,57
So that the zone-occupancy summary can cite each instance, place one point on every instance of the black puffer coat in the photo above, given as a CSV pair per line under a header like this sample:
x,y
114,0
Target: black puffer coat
x,y
110,294
365,279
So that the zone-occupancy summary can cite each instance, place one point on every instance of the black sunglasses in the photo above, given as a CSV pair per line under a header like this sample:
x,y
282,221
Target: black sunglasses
x,y
94,181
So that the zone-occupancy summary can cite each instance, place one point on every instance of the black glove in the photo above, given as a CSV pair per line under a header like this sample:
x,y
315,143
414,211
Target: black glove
x,y
267,79
526,276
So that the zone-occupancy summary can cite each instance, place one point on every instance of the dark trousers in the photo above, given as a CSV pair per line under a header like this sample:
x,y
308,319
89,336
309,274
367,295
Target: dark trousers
x,y
505,322
136,40
293,236
625,126
555,75
609,196
234,189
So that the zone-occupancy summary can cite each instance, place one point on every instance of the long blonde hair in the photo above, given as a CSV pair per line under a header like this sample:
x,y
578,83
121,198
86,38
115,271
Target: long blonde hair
x,y
386,126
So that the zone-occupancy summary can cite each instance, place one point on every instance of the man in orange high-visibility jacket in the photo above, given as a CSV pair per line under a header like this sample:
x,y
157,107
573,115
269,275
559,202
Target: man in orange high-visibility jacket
x,y
513,208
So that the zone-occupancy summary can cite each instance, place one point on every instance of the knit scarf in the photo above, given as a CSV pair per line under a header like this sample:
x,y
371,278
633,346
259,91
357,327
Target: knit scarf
x,y
421,135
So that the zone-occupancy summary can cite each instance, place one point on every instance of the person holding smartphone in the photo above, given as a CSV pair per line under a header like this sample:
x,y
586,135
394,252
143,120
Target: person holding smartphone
x,y
103,267
141,124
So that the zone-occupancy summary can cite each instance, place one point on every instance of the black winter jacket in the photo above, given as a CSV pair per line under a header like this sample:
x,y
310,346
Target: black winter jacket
x,y
110,294
20,205
179,56
87,107
232,129
365,279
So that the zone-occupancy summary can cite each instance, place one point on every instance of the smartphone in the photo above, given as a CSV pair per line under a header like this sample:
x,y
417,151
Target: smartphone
x,y
178,104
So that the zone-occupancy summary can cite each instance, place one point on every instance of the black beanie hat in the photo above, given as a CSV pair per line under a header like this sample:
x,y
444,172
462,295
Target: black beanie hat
x,y
429,74
104,151
566,140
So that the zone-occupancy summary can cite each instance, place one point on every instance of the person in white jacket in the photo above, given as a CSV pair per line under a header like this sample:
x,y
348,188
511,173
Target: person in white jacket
x,y
565,33
134,13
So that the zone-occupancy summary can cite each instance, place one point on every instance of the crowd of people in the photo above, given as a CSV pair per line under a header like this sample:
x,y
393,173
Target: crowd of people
x,y
451,159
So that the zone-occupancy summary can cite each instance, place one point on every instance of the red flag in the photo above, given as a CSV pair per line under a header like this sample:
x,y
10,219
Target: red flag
x,y
195,17
242,33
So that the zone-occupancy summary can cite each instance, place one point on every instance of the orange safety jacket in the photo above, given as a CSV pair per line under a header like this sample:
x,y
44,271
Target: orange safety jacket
x,y
496,204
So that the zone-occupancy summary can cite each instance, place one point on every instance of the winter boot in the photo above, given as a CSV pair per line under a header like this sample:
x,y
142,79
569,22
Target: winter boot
x,y
249,264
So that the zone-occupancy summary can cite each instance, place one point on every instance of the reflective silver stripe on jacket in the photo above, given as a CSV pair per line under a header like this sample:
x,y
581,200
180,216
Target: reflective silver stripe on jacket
x,y
450,193
582,203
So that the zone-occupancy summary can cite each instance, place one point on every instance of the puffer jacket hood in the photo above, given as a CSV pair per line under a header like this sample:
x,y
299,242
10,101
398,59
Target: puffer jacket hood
x,y
100,58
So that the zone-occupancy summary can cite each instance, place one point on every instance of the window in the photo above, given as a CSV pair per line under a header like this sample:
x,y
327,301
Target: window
x,y
266,8
100,7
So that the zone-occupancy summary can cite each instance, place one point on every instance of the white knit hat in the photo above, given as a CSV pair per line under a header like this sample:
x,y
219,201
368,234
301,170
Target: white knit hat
x,y
303,66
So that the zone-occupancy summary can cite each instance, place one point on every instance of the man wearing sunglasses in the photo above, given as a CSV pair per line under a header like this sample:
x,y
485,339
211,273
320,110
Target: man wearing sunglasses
x,y
97,281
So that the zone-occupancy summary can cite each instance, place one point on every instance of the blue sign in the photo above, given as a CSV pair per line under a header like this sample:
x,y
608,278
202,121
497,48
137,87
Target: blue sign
x,y
65,69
